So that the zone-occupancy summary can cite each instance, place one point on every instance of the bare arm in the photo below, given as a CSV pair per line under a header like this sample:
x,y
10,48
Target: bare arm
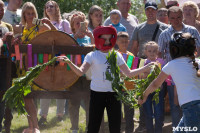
x,y
89,33
175,96
135,47
47,25
78,70
43,28
153,86
131,73
1,45
198,51
48,22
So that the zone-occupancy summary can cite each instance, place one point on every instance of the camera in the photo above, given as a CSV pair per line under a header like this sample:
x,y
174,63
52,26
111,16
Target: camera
x,y
37,22
83,26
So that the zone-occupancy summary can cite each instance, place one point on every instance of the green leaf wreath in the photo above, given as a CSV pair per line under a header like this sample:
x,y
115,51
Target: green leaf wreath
x,y
130,97
14,96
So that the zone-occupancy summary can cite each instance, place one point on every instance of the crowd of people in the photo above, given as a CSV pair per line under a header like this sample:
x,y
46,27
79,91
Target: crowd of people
x,y
169,36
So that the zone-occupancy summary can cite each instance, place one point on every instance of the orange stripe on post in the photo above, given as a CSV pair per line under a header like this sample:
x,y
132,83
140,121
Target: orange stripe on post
x,y
78,59
17,53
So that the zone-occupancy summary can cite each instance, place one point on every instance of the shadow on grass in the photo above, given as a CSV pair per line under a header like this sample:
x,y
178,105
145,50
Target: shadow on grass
x,y
50,124
18,130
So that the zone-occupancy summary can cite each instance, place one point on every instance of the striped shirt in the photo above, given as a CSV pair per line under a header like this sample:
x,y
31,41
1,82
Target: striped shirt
x,y
165,38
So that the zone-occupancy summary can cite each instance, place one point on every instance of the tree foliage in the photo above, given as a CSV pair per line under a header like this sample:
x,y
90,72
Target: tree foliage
x,y
67,6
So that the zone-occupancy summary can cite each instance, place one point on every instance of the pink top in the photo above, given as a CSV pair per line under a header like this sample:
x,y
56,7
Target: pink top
x,y
161,61
63,25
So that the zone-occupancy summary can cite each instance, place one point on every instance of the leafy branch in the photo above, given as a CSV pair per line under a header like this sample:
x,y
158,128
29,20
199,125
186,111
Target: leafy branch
x,y
14,96
129,97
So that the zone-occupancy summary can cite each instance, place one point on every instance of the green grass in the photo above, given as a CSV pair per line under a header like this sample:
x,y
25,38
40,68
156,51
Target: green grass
x,y
20,122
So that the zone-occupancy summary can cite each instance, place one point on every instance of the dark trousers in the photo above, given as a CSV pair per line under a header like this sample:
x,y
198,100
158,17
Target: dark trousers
x,y
4,111
142,117
129,115
80,91
98,102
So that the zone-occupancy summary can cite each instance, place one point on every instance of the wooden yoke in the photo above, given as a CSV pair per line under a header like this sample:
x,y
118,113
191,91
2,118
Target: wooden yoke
x,y
54,78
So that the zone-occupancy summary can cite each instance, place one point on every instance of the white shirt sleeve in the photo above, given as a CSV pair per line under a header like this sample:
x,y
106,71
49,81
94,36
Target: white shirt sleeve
x,y
167,69
88,58
120,59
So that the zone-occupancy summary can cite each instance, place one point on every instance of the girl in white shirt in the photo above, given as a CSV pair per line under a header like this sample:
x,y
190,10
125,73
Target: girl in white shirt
x,y
184,70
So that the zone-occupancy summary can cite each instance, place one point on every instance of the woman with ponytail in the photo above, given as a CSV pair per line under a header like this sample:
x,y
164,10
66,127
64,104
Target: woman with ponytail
x,y
184,70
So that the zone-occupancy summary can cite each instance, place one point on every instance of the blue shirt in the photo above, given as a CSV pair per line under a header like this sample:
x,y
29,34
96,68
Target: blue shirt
x,y
119,27
85,41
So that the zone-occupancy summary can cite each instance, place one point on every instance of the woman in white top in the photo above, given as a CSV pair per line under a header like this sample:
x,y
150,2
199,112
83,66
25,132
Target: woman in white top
x,y
102,96
185,73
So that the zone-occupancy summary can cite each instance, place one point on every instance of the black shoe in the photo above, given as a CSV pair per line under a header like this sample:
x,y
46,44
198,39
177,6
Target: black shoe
x,y
42,121
140,129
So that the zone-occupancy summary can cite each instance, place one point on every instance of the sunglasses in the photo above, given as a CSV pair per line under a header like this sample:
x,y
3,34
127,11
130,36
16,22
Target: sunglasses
x,y
50,6
168,6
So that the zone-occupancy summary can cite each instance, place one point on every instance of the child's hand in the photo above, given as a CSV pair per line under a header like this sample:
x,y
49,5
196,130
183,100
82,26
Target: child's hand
x,y
88,33
79,34
46,21
8,34
63,59
141,101
148,67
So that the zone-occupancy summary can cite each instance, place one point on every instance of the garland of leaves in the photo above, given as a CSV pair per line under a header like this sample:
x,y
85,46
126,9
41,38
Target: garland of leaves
x,y
130,97
14,96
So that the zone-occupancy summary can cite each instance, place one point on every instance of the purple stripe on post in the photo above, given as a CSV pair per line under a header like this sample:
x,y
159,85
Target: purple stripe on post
x,y
124,56
71,57
21,61
135,63
29,52
35,60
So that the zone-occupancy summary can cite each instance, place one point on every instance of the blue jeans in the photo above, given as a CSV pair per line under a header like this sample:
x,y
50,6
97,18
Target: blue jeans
x,y
175,110
158,113
191,117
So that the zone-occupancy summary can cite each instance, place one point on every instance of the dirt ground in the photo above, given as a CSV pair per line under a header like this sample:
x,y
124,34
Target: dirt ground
x,y
167,128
